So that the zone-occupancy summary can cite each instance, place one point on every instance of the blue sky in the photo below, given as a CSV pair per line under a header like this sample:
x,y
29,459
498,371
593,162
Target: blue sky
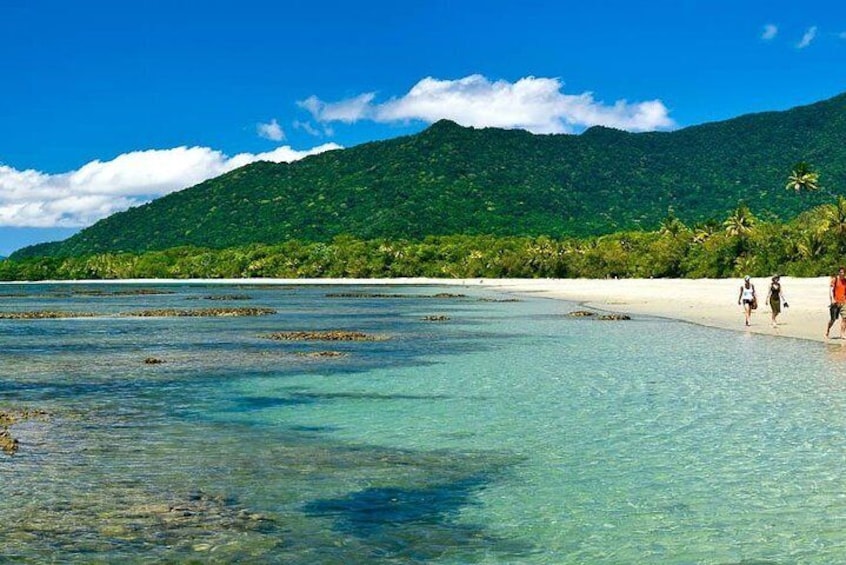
x,y
107,104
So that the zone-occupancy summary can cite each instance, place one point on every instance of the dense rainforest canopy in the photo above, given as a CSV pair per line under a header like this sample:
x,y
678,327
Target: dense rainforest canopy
x,y
502,185
812,244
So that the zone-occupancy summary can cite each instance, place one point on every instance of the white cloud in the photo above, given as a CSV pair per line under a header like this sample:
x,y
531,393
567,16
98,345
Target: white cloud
x,y
347,111
307,127
770,31
98,189
809,36
535,104
272,131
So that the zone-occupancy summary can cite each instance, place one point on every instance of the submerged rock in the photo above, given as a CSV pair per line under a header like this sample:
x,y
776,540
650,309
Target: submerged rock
x,y
581,314
385,295
221,297
321,354
198,312
614,317
8,443
328,335
126,292
45,315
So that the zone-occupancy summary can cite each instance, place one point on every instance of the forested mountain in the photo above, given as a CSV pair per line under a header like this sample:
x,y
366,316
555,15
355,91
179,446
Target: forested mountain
x,y
450,180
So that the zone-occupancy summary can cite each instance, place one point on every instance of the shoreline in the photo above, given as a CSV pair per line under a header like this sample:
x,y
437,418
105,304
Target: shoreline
x,y
706,302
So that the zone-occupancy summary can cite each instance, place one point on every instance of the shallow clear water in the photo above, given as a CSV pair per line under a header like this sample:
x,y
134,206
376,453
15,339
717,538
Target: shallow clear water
x,y
509,433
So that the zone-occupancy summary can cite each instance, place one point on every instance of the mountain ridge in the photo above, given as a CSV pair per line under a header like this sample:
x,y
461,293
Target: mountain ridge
x,y
449,179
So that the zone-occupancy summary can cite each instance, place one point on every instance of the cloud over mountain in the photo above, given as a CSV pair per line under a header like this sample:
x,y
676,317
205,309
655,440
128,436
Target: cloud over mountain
x,y
100,188
538,105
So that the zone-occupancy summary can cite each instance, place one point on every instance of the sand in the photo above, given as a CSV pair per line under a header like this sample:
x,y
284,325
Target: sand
x,y
709,302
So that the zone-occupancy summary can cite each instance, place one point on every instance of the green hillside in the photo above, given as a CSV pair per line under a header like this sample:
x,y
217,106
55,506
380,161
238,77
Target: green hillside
x,y
454,180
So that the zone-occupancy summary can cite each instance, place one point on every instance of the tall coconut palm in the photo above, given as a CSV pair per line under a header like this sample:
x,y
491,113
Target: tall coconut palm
x,y
739,226
803,178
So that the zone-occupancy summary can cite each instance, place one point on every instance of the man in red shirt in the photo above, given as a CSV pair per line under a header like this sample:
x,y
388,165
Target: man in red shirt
x,y
837,296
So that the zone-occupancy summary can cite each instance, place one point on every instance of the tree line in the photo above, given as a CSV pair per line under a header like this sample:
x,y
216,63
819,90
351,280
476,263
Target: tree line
x,y
812,244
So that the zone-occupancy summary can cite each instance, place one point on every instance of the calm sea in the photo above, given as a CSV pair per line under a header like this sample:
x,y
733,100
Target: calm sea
x,y
497,432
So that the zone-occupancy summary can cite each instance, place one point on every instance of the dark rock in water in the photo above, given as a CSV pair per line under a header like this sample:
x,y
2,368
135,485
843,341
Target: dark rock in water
x,y
127,292
199,312
153,361
9,444
322,354
44,315
614,317
157,313
368,295
436,318
328,335
384,295
221,297
581,314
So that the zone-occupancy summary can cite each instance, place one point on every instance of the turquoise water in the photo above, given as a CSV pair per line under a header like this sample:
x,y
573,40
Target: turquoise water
x,y
509,433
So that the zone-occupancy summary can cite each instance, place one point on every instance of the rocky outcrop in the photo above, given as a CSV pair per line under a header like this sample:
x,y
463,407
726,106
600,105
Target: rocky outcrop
x,y
614,317
156,313
126,292
321,354
604,317
8,443
327,335
222,297
581,314
383,295
44,315
198,312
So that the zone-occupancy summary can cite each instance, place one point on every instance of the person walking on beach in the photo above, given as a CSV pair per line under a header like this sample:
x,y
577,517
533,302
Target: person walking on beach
x,y
837,300
747,297
775,297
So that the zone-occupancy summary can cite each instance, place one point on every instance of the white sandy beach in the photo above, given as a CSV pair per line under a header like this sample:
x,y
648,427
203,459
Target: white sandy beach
x,y
709,302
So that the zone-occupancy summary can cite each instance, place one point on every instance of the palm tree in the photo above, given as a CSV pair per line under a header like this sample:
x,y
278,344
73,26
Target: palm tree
x,y
810,245
671,225
803,177
835,221
740,226
740,223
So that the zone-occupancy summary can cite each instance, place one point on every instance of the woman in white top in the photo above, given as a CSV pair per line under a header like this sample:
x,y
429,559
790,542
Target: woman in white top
x,y
747,297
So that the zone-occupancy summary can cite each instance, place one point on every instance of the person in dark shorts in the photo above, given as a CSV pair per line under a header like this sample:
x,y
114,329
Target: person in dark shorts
x,y
837,300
